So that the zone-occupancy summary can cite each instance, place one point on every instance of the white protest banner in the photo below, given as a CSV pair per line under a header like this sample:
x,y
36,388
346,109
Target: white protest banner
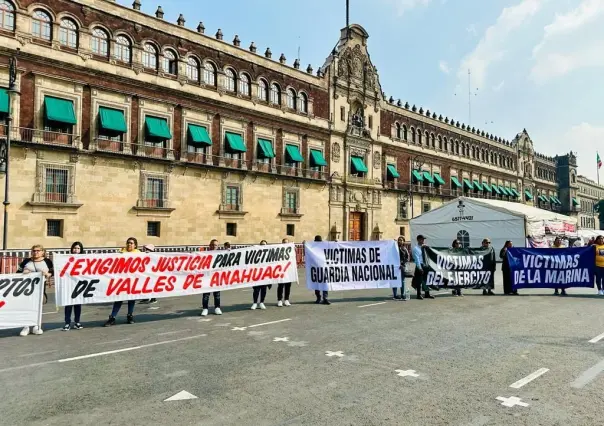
x,y
353,265
99,278
21,300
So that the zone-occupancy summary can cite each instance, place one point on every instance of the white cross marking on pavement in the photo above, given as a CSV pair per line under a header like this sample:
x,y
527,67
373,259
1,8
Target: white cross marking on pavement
x,y
339,354
239,328
281,339
511,401
205,320
405,373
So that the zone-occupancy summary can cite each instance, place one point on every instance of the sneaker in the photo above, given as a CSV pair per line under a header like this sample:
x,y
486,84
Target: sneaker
x,y
24,332
484,292
490,293
110,322
217,311
286,303
429,296
36,330
130,319
279,303
152,301
318,301
204,313
78,326
563,293
556,292
66,327
326,302
262,306
143,302
397,297
254,306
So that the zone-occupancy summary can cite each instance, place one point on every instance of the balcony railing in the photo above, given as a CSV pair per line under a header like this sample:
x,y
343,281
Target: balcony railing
x,y
152,151
60,197
228,207
44,137
106,145
153,203
363,180
290,210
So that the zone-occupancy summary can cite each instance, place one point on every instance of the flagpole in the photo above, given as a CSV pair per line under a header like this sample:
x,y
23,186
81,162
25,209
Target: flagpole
x,y
598,168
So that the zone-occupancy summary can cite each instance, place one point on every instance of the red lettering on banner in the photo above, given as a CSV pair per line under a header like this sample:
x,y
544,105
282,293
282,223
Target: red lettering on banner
x,y
268,273
87,269
76,266
192,280
285,269
246,275
67,265
113,286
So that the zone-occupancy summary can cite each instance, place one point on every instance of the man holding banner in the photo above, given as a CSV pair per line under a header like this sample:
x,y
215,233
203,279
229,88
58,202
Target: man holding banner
x,y
418,277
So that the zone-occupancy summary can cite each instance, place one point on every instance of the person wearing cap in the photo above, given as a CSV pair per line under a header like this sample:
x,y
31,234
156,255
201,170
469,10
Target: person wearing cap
x,y
418,276
148,248
486,244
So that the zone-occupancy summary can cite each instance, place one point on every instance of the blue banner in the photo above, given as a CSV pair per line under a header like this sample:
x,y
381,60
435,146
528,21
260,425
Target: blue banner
x,y
551,267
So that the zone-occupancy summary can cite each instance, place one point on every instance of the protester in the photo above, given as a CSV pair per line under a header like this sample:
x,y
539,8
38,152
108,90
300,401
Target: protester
x,y
38,262
148,248
456,245
205,299
486,244
227,245
283,300
418,277
505,269
131,248
599,247
325,301
259,293
403,255
556,245
76,248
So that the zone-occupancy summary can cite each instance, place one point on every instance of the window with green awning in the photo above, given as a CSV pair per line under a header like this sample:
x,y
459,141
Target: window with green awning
x,y
468,184
503,191
575,202
515,192
542,199
317,159
428,177
509,191
477,185
3,101
292,152
234,143
265,149
496,189
112,120
552,199
557,200
455,182
417,176
392,172
357,165
528,195
438,179
157,128
198,136
487,187
59,110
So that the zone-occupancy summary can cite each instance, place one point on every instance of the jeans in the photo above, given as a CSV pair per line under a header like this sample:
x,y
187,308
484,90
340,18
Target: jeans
x,y
395,289
318,294
280,287
600,277
117,306
259,290
205,300
78,311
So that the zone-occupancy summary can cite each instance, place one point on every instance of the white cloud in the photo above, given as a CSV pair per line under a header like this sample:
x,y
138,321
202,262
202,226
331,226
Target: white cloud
x,y
471,29
554,65
444,67
491,47
586,12
584,139
403,6
498,87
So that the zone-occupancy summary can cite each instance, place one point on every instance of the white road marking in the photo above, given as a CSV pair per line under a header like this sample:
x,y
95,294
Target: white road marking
x,y
597,338
281,339
153,308
511,401
442,292
37,353
372,304
529,378
113,341
181,396
588,375
205,320
405,373
50,313
268,323
238,328
339,354
173,332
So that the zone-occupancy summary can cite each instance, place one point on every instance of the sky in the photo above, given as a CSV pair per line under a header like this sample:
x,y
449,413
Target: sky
x,y
534,64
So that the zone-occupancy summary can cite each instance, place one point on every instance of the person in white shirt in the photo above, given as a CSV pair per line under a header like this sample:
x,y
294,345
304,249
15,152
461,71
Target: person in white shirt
x,y
37,263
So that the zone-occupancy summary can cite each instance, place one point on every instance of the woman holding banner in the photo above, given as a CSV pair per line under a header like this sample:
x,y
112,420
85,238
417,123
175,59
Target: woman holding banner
x,y
281,300
599,247
76,248
38,262
131,248
259,291
505,269
558,244
325,301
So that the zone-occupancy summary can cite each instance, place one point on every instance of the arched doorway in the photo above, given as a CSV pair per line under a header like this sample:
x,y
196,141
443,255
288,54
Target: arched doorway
x,y
463,237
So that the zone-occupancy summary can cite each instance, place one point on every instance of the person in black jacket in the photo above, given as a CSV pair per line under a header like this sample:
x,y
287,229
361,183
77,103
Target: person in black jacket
x,y
283,300
505,269
403,255
325,301
38,262
76,248
487,290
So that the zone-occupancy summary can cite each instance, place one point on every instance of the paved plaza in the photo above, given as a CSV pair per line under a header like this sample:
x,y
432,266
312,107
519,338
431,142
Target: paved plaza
x,y
533,359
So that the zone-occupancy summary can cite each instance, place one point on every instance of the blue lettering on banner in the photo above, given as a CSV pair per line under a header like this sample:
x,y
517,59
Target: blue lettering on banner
x,y
551,268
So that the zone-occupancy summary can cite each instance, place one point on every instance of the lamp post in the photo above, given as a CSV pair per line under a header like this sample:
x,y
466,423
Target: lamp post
x,y
5,146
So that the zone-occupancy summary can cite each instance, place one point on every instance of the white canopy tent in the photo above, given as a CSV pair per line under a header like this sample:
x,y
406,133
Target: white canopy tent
x,y
470,220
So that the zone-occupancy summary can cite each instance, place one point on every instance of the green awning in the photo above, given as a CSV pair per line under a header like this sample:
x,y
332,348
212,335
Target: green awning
x,y
293,154
575,202
496,189
477,185
358,166
235,142
516,193
3,101
504,191
487,187
528,195
438,179
59,110
455,181
417,176
552,199
542,199
468,184
265,149
198,135
317,159
391,171
428,177
157,128
112,120
509,191
557,200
